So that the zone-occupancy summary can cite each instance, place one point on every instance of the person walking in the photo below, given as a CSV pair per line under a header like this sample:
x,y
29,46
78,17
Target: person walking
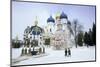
x,y
65,52
69,52
23,52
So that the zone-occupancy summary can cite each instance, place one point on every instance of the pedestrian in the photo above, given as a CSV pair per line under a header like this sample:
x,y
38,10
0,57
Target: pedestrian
x,y
23,51
65,52
69,52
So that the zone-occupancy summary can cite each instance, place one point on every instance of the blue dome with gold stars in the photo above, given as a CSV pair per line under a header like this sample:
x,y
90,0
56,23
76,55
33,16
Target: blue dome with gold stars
x,y
50,19
63,15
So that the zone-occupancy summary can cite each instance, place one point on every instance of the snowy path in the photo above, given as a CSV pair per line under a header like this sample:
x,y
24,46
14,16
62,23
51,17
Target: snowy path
x,y
56,56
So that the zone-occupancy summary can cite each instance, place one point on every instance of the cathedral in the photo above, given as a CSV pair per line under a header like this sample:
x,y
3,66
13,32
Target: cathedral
x,y
57,34
59,31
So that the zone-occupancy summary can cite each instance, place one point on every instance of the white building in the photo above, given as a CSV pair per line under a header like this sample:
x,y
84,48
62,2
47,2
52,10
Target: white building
x,y
60,31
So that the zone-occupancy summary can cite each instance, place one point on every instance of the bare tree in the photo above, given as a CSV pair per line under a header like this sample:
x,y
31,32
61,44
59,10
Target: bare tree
x,y
76,29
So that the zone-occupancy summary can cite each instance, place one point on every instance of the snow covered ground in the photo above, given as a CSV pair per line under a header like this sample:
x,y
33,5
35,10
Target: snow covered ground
x,y
57,56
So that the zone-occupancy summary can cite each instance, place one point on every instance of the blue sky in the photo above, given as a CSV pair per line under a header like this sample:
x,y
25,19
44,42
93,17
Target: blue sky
x,y
24,13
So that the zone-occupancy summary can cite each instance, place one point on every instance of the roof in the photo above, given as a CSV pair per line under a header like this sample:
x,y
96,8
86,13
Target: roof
x,y
50,19
36,30
63,15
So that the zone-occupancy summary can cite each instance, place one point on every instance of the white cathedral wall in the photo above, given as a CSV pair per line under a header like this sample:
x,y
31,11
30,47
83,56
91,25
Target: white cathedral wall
x,y
64,21
51,26
65,38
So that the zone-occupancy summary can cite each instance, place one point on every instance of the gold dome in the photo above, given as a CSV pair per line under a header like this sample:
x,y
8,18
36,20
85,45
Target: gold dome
x,y
57,15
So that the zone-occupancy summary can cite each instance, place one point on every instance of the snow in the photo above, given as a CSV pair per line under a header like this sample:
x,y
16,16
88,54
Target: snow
x,y
57,56
16,52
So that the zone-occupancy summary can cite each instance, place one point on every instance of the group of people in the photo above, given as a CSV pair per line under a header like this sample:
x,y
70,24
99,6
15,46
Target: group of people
x,y
32,51
67,52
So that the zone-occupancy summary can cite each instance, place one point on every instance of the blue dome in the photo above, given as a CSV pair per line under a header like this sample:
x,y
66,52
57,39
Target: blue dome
x,y
50,19
36,30
63,15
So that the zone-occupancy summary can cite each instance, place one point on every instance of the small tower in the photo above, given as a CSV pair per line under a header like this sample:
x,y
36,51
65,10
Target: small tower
x,y
36,21
58,22
57,18
64,20
50,24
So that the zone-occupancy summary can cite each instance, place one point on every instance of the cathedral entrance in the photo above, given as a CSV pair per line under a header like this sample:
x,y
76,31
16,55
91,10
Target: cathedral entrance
x,y
34,43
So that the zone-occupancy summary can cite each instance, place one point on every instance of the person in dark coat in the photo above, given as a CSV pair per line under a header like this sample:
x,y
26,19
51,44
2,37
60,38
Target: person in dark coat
x,y
65,52
69,52
23,51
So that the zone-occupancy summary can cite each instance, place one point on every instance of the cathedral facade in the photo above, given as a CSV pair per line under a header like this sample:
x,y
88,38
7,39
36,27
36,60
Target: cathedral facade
x,y
59,31
56,34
